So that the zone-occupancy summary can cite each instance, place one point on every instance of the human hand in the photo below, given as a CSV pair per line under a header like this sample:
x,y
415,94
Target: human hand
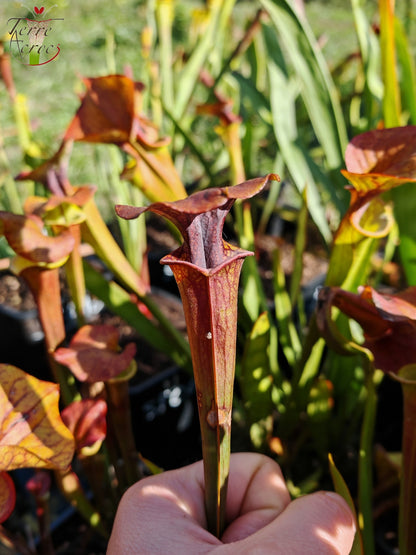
x,y
165,514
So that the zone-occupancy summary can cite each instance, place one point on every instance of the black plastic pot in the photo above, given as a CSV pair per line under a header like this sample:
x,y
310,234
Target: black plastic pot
x,y
165,419
21,340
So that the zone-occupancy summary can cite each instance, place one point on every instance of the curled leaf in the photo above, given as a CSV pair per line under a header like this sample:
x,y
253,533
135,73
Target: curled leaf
x,y
373,219
106,113
25,235
86,419
109,113
377,161
388,322
391,152
32,433
200,219
93,354
61,210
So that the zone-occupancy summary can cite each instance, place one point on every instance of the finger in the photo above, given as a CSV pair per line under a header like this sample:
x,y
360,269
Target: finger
x,y
317,523
173,503
163,514
257,494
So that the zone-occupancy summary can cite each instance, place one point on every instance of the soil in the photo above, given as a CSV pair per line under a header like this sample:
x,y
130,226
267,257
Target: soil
x,y
14,293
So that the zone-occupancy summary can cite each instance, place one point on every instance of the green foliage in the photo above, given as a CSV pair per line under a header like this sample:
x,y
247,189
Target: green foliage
x,y
239,91
256,381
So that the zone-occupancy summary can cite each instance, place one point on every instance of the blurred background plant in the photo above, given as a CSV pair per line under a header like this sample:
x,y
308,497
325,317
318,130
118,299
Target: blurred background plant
x,y
211,94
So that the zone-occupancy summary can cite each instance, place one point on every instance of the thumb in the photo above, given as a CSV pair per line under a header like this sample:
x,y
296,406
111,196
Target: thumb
x,y
317,523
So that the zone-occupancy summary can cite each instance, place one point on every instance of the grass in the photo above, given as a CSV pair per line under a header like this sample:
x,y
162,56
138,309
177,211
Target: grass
x,y
101,37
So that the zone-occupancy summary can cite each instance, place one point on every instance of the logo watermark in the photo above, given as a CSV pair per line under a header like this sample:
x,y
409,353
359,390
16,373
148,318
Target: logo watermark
x,y
32,40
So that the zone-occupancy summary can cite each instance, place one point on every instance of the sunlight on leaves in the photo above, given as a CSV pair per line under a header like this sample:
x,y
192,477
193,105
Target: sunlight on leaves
x,y
93,354
32,433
